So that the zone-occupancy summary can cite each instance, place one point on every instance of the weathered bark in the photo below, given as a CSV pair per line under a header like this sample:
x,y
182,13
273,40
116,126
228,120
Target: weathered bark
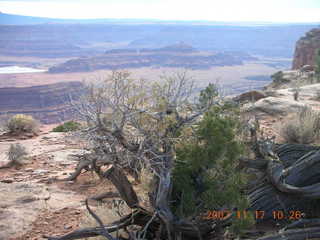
x,y
138,217
104,195
83,164
121,182
292,182
258,164
104,231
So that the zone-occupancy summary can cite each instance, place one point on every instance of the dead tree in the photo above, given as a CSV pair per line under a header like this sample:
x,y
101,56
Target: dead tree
x,y
291,184
134,125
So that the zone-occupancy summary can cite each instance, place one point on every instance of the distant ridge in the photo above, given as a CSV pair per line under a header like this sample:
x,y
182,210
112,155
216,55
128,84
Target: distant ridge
x,y
12,19
47,103
179,55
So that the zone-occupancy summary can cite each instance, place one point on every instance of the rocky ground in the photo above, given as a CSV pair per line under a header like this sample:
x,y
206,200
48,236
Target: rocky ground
x,y
33,204
278,106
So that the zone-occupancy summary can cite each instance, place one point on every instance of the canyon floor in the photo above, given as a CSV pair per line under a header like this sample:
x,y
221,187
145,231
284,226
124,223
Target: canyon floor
x,y
232,78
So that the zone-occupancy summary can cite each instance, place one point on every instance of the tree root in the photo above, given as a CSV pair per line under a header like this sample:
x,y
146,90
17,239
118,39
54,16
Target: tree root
x,y
81,165
104,195
138,217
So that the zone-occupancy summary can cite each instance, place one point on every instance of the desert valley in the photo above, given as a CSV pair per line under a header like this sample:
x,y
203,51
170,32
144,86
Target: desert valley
x,y
111,146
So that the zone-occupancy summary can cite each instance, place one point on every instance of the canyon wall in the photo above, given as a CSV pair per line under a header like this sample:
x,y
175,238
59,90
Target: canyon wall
x,y
47,103
306,49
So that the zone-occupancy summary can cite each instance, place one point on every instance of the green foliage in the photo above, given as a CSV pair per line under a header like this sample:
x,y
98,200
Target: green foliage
x,y
277,77
204,177
67,127
239,224
21,123
208,95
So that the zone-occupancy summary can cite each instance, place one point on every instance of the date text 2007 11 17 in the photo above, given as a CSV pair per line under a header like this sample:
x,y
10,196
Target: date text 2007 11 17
x,y
258,214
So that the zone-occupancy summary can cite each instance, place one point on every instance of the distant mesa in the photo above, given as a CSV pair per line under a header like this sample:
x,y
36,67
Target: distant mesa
x,y
47,103
306,49
175,48
178,55
179,47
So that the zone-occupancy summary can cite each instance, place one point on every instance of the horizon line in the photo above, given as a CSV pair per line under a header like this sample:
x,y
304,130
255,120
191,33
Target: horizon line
x,y
165,20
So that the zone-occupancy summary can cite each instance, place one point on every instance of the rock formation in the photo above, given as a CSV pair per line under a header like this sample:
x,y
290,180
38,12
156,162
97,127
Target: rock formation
x,y
47,103
177,55
253,96
306,48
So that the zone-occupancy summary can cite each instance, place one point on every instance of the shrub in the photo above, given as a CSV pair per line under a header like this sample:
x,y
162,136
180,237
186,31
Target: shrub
x,y
277,77
205,176
16,154
21,123
67,127
303,128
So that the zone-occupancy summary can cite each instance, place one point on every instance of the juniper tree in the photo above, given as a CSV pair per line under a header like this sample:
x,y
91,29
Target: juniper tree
x,y
134,125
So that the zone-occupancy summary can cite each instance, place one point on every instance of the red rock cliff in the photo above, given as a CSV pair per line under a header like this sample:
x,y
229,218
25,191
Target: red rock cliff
x,y
306,48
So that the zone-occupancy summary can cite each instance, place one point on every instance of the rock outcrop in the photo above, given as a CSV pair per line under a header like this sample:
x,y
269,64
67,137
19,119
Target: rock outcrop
x,y
291,78
276,106
47,103
281,102
252,96
306,49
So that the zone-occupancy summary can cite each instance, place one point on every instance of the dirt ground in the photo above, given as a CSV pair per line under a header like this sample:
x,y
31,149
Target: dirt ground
x,y
31,197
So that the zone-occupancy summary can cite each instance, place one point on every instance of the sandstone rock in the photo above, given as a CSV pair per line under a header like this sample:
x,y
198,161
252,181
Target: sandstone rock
x,y
21,204
250,96
275,106
67,226
307,68
41,171
26,199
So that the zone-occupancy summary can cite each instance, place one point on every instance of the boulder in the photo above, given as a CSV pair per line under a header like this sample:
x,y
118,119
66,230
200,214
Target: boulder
x,y
307,68
276,106
250,96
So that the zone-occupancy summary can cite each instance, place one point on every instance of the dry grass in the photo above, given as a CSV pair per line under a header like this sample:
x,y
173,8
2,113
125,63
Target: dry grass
x,y
304,128
21,123
16,154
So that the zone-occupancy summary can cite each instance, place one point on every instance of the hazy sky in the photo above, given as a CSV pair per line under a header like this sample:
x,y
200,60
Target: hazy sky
x,y
213,10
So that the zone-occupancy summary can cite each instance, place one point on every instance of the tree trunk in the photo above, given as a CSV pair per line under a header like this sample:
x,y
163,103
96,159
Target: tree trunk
x,y
121,182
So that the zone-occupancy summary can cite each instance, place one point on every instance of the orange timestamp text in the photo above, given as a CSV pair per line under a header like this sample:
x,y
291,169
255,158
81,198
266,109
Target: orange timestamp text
x,y
258,214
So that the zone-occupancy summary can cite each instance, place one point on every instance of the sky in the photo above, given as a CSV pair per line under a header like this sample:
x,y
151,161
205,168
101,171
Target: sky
x,y
203,10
